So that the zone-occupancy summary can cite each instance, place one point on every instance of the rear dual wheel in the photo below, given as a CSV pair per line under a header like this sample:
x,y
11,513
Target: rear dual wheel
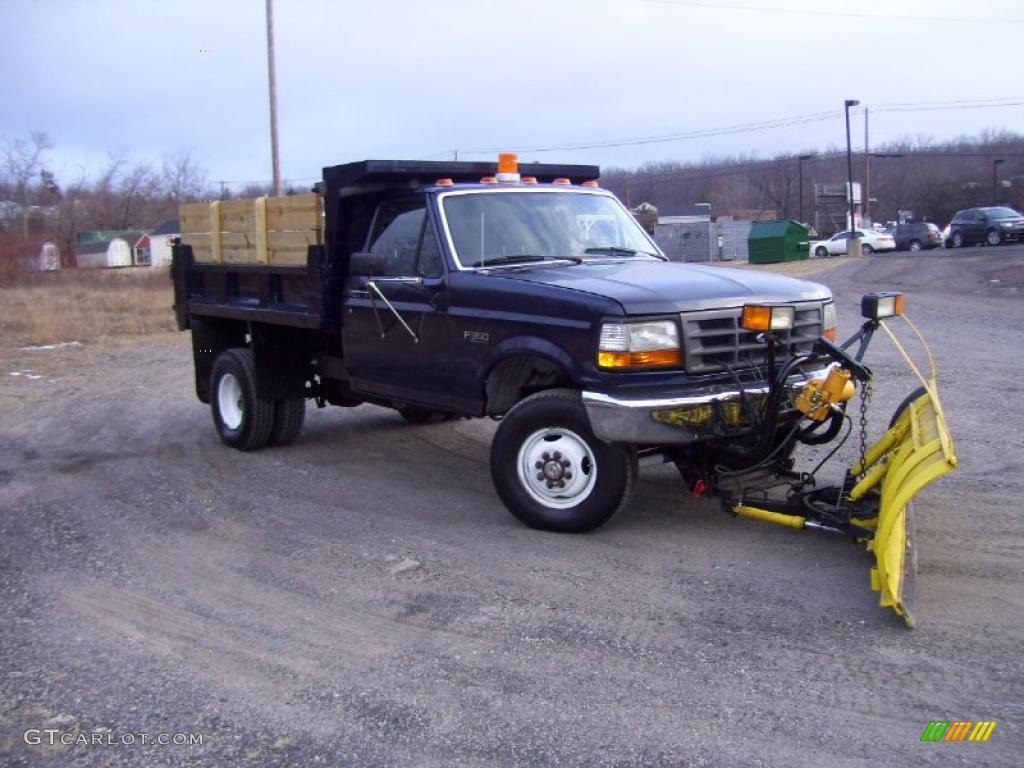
x,y
244,419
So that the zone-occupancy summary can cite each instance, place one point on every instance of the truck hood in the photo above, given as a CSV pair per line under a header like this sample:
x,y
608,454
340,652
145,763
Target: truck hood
x,y
656,287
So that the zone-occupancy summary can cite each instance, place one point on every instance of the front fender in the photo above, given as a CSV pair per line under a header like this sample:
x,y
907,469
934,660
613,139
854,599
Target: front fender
x,y
533,345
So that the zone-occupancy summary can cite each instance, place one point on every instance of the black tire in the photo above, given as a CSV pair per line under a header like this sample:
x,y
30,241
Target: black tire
x,y
289,415
866,249
607,471
249,428
957,240
414,414
906,404
821,252
915,245
993,237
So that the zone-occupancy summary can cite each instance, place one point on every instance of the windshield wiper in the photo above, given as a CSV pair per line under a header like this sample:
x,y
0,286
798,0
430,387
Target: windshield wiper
x,y
623,249
519,257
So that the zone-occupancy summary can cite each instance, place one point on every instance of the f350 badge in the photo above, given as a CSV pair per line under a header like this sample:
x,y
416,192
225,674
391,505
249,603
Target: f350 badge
x,y
476,337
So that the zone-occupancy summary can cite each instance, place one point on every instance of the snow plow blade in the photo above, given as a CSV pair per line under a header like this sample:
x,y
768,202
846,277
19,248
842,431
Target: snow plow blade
x,y
916,450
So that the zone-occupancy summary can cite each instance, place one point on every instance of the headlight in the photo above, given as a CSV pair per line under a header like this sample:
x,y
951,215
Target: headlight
x,y
639,345
1007,224
828,321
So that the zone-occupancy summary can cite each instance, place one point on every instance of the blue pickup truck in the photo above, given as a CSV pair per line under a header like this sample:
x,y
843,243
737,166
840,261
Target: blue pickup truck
x,y
521,292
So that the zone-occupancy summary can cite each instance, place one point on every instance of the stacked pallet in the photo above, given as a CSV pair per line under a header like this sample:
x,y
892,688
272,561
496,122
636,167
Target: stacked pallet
x,y
266,230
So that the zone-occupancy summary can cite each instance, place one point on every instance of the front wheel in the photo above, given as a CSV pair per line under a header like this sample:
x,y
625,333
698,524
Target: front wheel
x,y
915,245
552,472
821,252
993,237
958,240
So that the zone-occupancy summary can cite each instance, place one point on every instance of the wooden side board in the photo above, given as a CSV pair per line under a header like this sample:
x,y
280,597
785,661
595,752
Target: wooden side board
x,y
264,230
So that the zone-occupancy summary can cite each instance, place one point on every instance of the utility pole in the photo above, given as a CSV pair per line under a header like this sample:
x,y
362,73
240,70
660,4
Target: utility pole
x,y
852,244
273,99
867,170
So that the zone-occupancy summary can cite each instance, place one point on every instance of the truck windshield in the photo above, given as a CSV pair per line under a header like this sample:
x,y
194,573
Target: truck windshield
x,y
515,227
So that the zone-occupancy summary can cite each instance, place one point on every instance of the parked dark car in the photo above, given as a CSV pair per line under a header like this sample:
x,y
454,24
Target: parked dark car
x,y
991,226
916,236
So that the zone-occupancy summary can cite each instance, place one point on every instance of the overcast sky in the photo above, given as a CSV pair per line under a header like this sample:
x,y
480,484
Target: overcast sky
x,y
407,79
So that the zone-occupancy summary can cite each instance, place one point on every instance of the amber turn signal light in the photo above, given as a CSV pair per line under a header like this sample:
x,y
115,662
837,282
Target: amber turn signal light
x,y
765,317
639,359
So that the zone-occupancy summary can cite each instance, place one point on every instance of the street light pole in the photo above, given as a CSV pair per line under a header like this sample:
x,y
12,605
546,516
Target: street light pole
x,y
273,99
800,182
995,180
853,244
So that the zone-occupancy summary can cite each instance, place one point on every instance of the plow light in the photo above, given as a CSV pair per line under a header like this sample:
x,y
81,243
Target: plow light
x,y
878,306
639,345
764,317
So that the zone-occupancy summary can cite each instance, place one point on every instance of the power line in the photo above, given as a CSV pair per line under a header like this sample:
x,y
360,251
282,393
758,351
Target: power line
x,y
783,122
698,134
842,14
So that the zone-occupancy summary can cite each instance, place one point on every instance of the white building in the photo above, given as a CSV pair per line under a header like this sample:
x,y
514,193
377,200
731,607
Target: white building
x,y
116,252
160,243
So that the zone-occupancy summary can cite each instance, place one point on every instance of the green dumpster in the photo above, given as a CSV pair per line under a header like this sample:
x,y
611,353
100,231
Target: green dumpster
x,y
772,241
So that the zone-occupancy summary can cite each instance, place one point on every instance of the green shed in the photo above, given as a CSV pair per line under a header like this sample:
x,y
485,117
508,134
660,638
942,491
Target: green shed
x,y
772,241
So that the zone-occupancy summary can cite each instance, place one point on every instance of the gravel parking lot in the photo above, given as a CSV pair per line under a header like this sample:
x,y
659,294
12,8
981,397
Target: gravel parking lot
x,y
362,598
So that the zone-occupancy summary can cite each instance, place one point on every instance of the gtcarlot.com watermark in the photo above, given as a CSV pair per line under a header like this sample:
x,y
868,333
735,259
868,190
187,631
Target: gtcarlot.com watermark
x,y
54,736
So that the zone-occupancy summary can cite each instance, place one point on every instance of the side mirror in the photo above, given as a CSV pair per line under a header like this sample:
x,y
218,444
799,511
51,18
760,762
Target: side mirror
x,y
367,264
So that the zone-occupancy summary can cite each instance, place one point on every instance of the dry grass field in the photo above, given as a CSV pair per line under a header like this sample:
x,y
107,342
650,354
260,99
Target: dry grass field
x,y
82,305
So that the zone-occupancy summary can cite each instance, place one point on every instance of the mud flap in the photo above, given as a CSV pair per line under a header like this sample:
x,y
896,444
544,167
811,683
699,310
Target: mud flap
x,y
915,451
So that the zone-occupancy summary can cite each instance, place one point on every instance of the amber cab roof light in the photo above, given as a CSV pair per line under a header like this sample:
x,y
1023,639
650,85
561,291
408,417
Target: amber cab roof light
x,y
508,168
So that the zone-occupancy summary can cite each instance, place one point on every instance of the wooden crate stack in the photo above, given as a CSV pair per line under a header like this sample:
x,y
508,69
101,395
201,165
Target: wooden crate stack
x,y
266,230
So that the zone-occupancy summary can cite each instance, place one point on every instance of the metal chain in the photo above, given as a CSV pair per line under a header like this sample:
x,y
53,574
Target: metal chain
x,y
865,398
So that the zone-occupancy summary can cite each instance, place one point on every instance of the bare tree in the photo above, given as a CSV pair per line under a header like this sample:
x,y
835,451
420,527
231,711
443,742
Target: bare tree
x,y
71,216
183,178
22,161
776,184
135,188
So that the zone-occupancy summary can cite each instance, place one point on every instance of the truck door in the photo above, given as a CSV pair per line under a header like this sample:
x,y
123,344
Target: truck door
x,y
395,322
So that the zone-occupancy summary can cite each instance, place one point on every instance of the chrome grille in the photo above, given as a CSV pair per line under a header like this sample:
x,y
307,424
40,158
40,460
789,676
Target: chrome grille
x,y
713,338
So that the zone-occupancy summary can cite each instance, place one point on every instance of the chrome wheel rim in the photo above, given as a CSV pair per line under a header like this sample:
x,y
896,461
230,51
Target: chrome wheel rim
x,y
557,468
993,238
229,401
915,246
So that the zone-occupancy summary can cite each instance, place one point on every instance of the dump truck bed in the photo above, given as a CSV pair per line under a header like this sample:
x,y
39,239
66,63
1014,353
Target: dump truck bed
x,y
259,259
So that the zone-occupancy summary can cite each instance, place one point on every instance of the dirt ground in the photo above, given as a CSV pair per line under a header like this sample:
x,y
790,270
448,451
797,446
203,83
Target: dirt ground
x,y
362,598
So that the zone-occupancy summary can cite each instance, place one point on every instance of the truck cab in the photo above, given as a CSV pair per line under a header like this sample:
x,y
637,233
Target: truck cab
x,y
525,293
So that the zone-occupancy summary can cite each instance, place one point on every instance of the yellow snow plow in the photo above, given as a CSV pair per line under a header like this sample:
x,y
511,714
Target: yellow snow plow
x,y
874,502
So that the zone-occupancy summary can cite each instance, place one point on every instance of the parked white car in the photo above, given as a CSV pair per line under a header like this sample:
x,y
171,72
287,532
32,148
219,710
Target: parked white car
x,y
871,242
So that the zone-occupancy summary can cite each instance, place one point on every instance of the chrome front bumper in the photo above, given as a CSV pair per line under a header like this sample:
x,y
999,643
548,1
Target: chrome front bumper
x,y
631,420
